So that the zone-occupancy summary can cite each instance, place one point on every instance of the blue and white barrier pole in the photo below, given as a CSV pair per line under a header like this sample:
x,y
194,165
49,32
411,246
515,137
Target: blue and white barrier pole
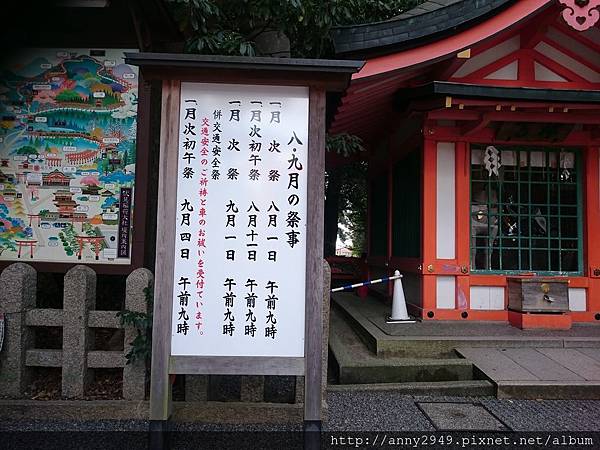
x,y
367,283
399,312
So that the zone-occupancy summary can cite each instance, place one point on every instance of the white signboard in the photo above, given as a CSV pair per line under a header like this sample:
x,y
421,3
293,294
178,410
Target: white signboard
x,y
240,252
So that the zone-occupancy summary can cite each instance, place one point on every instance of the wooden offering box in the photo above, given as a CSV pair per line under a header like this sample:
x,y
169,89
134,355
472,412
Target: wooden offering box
x,y
542,295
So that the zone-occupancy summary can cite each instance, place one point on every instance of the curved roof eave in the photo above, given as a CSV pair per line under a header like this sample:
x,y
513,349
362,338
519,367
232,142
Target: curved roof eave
x,y
452,44
427,21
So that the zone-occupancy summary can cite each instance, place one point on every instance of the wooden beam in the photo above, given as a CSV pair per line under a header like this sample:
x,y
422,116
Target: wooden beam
x,y
142,32
474,128
516,116
234,365
523,103
160,388
330,81
554,117
453,114
448,68
314,256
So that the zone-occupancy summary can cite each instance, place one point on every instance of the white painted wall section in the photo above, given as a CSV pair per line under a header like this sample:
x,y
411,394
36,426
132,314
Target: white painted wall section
x,y
445,201
568,42
575,66
577,299
445,292
489,56
542,73
508,72
487,298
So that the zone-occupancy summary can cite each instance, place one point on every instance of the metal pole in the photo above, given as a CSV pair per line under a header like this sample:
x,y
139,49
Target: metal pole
x,y
366,283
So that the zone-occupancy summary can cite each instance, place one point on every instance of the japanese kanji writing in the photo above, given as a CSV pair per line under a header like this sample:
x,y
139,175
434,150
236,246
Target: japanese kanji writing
x,y
241,221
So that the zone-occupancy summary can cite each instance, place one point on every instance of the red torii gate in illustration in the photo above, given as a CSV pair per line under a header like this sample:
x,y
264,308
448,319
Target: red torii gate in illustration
x,y
81,220
95,241
30,244
34,216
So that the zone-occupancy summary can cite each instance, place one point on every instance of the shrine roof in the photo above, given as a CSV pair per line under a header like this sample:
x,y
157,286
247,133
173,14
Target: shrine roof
x,y
333,75
444,88
428,21
181,60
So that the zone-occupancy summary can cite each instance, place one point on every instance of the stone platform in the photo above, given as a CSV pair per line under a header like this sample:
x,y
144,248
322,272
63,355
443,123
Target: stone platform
x,y
462,357
439,339
531,373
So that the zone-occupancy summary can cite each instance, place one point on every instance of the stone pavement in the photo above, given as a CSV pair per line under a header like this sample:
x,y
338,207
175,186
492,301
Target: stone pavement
x,y
349,412
387,411
528,372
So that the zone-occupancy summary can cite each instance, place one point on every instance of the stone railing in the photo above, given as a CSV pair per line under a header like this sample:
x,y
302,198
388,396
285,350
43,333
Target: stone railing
x,y
78,318
77,360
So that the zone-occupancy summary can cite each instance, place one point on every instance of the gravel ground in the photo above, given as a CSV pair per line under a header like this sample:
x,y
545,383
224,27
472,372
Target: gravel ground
x,y
386,411
348,412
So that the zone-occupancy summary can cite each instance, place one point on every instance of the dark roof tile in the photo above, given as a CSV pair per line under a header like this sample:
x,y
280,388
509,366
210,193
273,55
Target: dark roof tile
x,y
426,21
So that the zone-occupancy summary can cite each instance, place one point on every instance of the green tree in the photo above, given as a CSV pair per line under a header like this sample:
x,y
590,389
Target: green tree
x,y
345,194
7,243
231,27
68,96
27,150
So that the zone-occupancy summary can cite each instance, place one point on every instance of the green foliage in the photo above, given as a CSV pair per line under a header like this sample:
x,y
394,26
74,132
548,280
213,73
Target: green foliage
x,y
344,144
69,240
141,346
229,27
7,243
68,96
353,205
350,180
27,150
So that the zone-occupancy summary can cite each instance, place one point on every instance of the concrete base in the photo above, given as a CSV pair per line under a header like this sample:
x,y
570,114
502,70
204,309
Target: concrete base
x,y
438,339
203,412
356,365
467,388
548,390
533,321
390,320
75,410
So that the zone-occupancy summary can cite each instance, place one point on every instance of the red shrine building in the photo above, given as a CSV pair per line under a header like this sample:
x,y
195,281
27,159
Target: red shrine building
x,y
482,125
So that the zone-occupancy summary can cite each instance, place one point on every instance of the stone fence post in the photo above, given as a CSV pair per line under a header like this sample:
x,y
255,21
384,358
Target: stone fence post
x,y
134,374
18,288
79,298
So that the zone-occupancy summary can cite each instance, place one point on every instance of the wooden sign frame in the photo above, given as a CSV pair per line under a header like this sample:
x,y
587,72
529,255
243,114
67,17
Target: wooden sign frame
x,y
319,76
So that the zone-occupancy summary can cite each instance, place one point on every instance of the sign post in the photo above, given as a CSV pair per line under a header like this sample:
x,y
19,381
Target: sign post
x,y
239,271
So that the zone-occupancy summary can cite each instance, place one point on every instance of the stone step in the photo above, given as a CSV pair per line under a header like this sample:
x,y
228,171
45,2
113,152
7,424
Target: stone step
x,y
466,388
549,390
354,364
539,373
438,339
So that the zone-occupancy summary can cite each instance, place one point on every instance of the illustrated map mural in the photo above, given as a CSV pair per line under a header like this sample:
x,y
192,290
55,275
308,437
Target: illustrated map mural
x,y
67,156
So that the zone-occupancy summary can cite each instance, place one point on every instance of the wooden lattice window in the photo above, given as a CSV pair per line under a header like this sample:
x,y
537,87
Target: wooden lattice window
x,y
526,210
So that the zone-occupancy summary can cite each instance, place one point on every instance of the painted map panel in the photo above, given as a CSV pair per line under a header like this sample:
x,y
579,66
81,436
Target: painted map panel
x,y
68,121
